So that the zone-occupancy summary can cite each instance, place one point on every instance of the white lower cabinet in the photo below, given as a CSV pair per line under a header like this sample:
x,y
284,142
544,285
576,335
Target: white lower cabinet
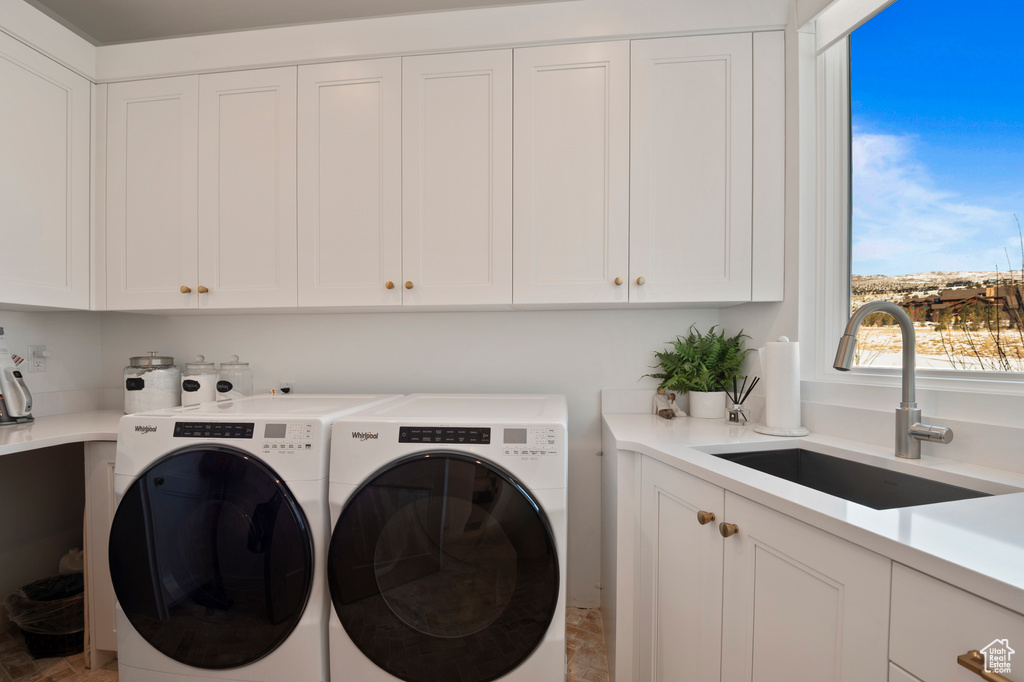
x,y
933,623
898,674
776,600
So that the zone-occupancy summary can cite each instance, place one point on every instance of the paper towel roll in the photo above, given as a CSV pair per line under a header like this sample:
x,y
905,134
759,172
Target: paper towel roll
x,y
780,368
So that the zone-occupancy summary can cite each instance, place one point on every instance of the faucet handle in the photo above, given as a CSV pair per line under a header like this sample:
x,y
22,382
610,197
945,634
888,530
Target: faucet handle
x,y
932,434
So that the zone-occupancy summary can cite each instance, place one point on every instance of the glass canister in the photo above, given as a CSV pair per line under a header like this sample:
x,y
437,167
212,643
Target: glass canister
x,y
198,382
151,382
235,379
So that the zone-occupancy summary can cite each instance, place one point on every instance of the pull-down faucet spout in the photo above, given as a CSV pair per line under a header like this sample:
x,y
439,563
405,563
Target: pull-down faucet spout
x,y
909,429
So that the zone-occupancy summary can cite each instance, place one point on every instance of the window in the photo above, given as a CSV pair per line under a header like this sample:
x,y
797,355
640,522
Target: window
x,y
937,182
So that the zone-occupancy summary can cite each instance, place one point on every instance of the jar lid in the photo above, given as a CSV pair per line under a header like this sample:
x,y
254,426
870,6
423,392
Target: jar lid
x,y
234,363
200,363
152,360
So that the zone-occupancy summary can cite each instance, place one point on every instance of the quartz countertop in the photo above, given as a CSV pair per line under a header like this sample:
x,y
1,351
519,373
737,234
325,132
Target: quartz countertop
x,y
77,427
975,544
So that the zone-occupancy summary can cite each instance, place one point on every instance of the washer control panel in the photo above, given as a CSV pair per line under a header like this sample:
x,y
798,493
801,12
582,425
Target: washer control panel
x,y
530,442
272,436
287,436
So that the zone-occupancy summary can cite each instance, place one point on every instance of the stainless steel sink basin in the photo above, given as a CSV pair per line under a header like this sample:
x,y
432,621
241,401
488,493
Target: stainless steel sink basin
x,y
871,486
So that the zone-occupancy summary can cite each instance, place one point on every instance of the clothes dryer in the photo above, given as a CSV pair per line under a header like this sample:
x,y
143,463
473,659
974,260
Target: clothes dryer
x,y
447,560
217,543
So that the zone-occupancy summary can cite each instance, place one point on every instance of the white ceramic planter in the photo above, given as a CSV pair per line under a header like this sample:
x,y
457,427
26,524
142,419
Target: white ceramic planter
x,y
707,405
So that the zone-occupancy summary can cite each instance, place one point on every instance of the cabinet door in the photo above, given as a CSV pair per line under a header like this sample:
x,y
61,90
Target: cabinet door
x,y
571,174
247,233
350,183
680,614
933,623
691,169
457,178
44,180
800,603
152,188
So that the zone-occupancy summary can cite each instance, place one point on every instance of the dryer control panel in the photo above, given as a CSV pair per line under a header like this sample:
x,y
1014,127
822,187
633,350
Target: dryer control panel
x,y
534,441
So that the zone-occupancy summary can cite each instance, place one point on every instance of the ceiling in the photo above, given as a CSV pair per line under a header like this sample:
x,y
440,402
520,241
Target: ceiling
x,y
107,22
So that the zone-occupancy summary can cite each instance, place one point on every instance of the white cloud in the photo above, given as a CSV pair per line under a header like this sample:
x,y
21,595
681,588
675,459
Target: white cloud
x,y
903,223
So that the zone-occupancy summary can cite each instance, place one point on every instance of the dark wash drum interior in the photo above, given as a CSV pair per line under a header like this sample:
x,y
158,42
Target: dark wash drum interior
x,y
211,557
443,567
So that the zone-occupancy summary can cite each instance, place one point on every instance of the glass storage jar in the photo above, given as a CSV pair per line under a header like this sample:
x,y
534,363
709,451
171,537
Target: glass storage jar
x,y
198,382
235,379
151,382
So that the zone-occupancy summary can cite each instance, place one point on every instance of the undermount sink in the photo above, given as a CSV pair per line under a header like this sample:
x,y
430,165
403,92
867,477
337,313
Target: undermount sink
x,y
871,486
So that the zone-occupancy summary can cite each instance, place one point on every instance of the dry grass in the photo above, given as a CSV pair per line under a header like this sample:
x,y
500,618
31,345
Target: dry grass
x,y
873,341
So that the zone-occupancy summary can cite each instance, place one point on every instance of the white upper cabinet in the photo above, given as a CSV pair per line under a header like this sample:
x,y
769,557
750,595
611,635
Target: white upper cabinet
x,y
350,184
457,179
44,180
201,192
571,174
247,221
152,180
691,169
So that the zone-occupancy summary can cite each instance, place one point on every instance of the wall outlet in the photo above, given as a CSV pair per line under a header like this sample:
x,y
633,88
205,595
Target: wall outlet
x,y
37,358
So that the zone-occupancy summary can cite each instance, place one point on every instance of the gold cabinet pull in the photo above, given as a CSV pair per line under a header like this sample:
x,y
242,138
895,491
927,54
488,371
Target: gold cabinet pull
x,y
389,285
641,281
974,661
727,529
618,281
408,285
185,289
203,290
704,518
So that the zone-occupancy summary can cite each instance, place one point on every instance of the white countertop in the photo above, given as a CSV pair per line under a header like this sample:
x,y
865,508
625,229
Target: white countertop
x,y
975,544
77,427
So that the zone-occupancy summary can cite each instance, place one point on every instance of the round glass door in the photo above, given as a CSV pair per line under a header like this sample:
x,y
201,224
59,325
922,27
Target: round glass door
x,y
443,567
211,557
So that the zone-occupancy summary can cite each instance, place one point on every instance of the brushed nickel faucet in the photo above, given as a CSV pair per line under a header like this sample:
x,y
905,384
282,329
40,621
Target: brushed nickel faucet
x,y
909,429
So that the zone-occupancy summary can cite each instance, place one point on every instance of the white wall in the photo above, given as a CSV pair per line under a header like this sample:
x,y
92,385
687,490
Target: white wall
x,y
72,381
576,353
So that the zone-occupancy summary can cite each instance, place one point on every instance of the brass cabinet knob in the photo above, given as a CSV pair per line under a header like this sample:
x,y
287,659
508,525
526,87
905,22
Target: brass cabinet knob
x,y
618,281
389,285
408,285
185,289
641,281
727,529
203,290
704,518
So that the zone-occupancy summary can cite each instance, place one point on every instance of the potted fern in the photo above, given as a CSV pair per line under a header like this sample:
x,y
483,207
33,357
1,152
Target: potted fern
x,y
702,365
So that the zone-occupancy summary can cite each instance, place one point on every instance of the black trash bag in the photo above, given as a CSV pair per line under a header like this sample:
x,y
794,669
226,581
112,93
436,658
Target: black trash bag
x,y
51,614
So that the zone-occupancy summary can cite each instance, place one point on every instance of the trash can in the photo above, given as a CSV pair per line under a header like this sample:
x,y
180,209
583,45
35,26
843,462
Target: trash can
x,y
51,615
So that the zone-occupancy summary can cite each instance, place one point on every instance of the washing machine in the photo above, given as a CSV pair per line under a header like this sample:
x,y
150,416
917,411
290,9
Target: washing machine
x,y
447,559
217,547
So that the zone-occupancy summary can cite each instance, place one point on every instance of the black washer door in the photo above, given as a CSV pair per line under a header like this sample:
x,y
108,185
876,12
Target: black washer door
x,y
442,568
211,557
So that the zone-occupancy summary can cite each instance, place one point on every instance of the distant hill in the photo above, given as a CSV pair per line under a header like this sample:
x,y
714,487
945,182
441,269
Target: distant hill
x,y
924,281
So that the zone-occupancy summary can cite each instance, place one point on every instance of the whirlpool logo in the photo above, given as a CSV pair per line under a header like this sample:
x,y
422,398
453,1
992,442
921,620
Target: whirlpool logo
x,y
145,429
365,435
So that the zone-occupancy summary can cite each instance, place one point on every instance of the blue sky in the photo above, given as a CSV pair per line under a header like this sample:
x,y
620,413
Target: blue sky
x,y
938,137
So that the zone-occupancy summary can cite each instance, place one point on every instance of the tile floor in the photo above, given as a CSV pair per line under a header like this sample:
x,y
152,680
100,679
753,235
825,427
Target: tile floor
x,y
584,642
16,665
